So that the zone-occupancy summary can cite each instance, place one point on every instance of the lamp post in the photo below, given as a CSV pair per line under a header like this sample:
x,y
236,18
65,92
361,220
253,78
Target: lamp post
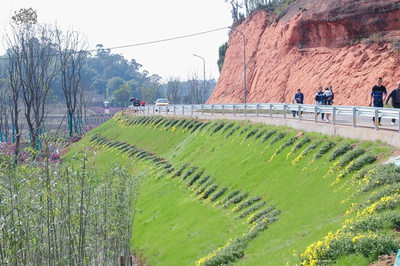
x,y
244,60
204,71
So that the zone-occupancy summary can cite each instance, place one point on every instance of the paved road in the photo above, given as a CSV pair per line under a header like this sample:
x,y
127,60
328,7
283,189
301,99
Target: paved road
x,y
344,120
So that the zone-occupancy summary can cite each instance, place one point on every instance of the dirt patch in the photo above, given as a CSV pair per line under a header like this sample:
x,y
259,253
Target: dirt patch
x,y
385,260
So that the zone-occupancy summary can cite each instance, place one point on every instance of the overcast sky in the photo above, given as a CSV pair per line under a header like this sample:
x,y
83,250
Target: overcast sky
x,y
117,23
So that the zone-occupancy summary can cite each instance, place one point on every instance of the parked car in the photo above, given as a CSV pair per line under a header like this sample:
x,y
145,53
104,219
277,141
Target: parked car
x,y
160,103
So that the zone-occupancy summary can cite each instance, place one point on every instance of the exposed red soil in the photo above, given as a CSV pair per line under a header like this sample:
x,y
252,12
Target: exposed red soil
x,y
311,46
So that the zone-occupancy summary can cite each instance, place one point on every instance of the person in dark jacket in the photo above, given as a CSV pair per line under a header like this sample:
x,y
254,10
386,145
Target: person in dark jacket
x,y
136,105
395,96
378,95
299,99
319,99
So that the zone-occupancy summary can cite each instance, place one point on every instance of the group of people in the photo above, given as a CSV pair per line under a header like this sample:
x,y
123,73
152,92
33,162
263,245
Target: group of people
x,y
321,98
137,104
378,98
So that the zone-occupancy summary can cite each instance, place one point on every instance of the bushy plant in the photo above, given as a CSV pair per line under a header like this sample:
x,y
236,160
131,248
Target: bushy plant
x,y
324,149
259,134
227,126
196,126
236,199
205,186
189,172
217,128
251,133
218,194
230,195
298,145
284,145
280,136
180,170
342,149
267,136
202,181
208,191
245,129
258,214
195,177
246,203
250,210
231,132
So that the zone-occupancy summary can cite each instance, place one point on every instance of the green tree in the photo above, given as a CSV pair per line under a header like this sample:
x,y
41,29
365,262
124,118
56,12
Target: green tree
x,y
221,56
112,85
122,94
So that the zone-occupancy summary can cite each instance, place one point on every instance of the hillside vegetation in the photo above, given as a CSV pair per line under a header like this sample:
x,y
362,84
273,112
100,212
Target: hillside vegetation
x,y
221,192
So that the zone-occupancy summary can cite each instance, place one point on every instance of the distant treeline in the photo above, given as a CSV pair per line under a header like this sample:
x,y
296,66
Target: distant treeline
x,y
104,72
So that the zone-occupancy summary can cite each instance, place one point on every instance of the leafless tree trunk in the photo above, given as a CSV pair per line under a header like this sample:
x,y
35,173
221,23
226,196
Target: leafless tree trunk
x,y
5,108
72,54
33,66
85,97
199,92
14,66
173,89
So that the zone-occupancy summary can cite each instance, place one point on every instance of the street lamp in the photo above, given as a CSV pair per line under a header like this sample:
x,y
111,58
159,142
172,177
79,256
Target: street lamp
x,y
244,60
204,70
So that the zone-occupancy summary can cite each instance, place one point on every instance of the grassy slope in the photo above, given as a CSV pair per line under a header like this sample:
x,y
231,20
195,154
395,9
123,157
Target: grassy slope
x,y
176,229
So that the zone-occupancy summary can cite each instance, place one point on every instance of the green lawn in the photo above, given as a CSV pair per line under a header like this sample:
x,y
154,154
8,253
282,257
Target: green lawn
x,y
173,227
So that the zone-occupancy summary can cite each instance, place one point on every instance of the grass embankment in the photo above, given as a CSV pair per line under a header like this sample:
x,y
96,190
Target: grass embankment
x,y
306,185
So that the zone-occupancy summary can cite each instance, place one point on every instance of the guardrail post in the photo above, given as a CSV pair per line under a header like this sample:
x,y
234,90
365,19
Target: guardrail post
x,y
270,110
191,110
257,106
153,110
244,110
315,114
174,110
354,117
299,114
202,110
234,110
333,115
399,122
212,109
183,110
223,110
284,111
376,119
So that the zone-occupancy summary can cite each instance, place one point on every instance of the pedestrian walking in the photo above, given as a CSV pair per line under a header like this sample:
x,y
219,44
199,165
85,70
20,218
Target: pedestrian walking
x,y
319,100
136,105
299,99
378,95
328,100
395,96
143,104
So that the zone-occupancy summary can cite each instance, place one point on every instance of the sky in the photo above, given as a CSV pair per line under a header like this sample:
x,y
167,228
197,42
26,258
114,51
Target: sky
x,y
118,23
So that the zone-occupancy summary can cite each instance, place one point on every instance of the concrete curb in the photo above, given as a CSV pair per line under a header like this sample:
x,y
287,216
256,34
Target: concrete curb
x,y
367,134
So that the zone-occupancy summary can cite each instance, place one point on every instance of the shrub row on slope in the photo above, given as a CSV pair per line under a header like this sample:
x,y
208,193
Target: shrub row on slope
x,y
346,160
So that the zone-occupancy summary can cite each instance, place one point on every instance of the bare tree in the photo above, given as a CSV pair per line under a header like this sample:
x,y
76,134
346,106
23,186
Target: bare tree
x,y
173,89
71,52
194,84
5,108
32,68
199,89
85,98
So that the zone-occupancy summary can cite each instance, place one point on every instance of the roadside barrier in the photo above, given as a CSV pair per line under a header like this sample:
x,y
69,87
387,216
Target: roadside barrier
x,y
278,110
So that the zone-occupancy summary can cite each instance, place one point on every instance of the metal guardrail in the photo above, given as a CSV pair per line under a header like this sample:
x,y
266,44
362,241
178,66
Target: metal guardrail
x,y
274,109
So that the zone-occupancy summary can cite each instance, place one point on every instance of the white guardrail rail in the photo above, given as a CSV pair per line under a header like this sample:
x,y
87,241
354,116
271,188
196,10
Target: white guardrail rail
x,y
275,110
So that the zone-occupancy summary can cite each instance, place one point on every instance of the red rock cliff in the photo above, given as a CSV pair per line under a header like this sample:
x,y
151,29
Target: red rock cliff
x,y
317,42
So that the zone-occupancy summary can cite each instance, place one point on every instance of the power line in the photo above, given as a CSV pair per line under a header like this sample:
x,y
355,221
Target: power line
x,y
163,40
147,43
